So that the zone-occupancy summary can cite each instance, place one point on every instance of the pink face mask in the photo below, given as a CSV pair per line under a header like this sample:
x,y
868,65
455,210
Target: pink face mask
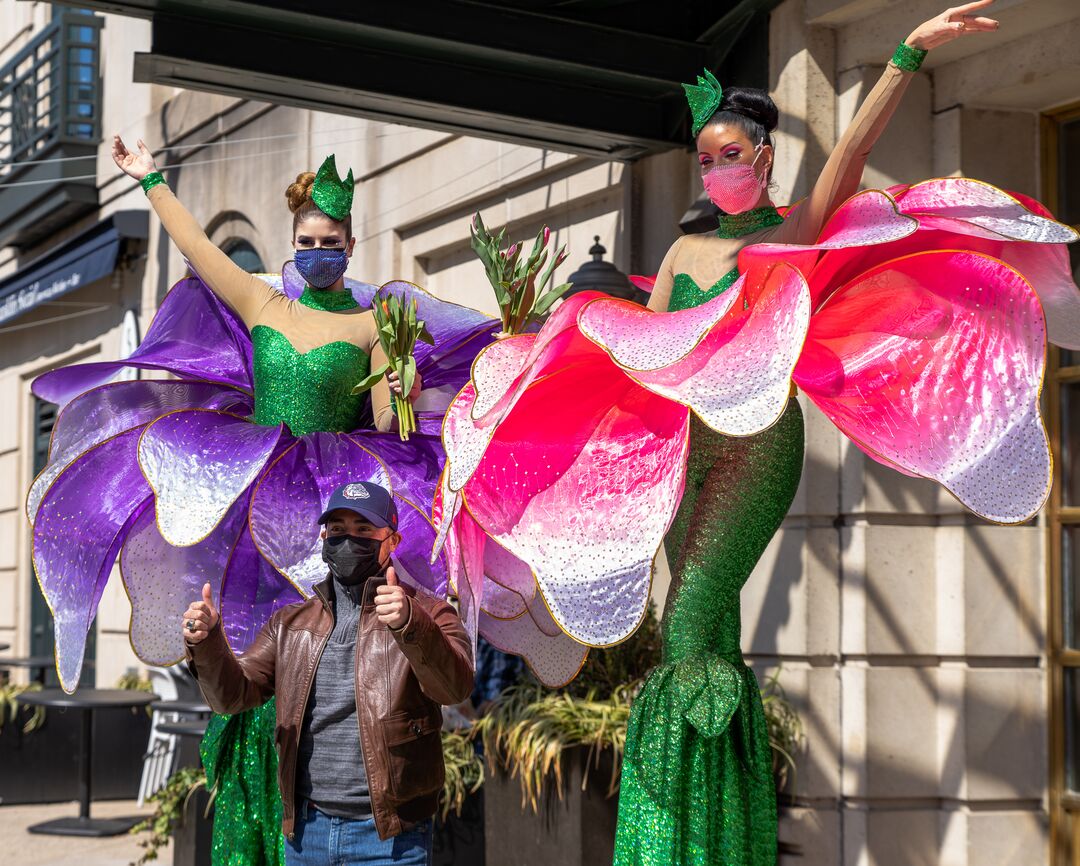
x,y
735,188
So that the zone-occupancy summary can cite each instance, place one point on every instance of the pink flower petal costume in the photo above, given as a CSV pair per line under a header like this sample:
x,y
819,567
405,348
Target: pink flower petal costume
x,y
915,318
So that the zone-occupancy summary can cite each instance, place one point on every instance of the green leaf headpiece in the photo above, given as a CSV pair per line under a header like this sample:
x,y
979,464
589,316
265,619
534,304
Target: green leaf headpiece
x,y
704,98
332,194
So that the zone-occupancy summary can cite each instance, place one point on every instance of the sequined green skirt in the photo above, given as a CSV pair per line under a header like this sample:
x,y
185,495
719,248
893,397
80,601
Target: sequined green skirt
x,y
697,786
241,769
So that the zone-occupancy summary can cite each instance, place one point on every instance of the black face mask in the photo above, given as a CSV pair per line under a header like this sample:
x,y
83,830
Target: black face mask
x,y
352,559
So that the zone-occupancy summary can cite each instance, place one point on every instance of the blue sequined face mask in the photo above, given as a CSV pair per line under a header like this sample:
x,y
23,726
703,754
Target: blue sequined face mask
x,y
321,267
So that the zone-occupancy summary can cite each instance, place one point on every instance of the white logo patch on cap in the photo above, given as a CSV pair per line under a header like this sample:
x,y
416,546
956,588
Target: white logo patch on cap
x,y
356,491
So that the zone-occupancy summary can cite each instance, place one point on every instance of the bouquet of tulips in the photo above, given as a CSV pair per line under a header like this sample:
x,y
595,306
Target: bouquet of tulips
x,y
521,285
399,328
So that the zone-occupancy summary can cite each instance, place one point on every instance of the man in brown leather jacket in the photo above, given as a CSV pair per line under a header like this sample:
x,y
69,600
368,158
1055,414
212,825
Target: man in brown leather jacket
x,y
359,671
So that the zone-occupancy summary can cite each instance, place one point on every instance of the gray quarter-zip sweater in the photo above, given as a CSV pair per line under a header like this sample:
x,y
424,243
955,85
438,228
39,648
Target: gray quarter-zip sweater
x,y
330,765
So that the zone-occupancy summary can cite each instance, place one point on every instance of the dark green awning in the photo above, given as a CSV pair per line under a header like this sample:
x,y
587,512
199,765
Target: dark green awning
x,y
594,76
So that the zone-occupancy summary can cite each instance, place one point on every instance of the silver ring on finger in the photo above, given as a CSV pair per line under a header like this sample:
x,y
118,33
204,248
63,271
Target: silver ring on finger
x,y
190,625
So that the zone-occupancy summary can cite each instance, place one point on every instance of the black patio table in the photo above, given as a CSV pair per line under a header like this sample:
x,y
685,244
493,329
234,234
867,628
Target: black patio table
x,y
86,701
36,664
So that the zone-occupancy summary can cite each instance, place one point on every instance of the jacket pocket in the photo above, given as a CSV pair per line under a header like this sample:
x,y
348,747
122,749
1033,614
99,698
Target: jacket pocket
x,y
414,759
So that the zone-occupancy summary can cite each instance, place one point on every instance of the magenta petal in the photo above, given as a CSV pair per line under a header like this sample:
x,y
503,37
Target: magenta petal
x,y
198,462
737,376
555,660
941,357
78,536
639,339
581,481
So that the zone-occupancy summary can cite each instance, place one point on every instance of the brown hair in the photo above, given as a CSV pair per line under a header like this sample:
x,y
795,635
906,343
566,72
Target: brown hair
x,y
298,196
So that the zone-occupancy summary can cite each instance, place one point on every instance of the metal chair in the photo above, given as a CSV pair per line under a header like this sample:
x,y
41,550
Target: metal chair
x,y
159,762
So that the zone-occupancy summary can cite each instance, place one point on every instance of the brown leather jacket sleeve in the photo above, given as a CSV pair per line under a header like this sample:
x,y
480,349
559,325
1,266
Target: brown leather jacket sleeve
x,y
439,652
230,684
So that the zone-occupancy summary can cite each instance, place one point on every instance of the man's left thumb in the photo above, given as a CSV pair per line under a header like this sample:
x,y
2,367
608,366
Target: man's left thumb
x,y
391,577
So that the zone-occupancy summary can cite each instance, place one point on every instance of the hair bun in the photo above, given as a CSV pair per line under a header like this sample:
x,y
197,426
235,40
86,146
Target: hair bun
x,y
299,192
752,103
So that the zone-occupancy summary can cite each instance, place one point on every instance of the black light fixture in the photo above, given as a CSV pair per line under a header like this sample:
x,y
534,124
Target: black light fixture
x,y
601,276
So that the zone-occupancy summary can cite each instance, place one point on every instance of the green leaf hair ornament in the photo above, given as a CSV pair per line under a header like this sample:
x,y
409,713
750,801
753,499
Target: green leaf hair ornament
x,y
332,194
704,99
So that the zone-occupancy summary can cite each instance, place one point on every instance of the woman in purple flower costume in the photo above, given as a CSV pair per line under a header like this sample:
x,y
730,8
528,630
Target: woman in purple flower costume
x,y
219,473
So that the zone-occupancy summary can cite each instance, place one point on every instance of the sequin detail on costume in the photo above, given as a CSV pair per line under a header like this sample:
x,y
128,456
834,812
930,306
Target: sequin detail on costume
x,y
685,293
697,786
151,180
746,223
333,195
247,805
907,58
311,390
703,98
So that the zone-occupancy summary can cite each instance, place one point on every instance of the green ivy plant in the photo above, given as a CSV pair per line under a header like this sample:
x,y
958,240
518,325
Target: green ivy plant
x,y
464,776
170,804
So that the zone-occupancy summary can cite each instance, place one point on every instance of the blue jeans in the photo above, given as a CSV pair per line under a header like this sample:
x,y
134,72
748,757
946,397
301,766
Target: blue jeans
x,y
322,840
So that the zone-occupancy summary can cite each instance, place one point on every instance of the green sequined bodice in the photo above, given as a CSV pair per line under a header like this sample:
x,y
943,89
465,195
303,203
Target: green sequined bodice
x,y
685,293
309,391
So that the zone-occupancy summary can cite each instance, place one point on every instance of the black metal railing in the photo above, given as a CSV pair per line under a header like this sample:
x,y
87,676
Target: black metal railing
x,y
51,90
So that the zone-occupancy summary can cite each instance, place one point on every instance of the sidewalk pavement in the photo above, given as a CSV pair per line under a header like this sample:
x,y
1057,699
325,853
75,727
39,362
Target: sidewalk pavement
x,y
29,849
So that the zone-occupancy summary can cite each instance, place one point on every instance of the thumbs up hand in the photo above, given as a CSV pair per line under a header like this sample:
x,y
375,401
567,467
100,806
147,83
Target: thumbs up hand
x,y
200,618
391,603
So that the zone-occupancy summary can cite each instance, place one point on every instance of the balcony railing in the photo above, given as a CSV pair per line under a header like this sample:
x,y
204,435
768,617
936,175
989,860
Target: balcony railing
x,y
50,112
51,89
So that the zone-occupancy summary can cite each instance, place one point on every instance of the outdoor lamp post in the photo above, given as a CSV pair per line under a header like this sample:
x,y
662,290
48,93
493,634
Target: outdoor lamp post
x,y
601,276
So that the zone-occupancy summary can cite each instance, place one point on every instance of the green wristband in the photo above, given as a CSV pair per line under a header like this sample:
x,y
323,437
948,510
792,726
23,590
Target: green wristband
x,y
907,58
151,180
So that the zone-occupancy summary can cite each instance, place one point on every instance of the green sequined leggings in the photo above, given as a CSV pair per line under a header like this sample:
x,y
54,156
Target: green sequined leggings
x,y
697,786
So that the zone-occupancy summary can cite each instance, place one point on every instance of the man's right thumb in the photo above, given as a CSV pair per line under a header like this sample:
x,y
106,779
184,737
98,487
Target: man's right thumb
x,y
207,596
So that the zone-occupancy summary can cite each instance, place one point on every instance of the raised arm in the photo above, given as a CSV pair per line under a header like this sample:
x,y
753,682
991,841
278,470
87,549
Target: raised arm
x,y
229,684
245,293
843,172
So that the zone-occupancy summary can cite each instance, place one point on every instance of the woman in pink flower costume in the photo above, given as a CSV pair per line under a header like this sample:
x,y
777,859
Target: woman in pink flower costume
x,y
915,318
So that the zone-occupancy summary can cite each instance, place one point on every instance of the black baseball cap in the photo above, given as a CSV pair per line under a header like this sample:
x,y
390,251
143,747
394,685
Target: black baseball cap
x,y
368,500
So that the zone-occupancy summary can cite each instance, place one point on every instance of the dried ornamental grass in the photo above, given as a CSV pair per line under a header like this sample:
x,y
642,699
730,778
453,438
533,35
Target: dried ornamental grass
x,y
528,729
9,706
464,771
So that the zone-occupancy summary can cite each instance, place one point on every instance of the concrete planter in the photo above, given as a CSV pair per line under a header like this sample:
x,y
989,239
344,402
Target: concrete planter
x,y
193,836
576,830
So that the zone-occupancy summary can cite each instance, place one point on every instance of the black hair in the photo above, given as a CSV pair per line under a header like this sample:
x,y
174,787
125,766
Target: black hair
x,y
750,110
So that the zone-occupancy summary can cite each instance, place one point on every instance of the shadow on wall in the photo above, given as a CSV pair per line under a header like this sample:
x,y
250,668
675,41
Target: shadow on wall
x,y
926,736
